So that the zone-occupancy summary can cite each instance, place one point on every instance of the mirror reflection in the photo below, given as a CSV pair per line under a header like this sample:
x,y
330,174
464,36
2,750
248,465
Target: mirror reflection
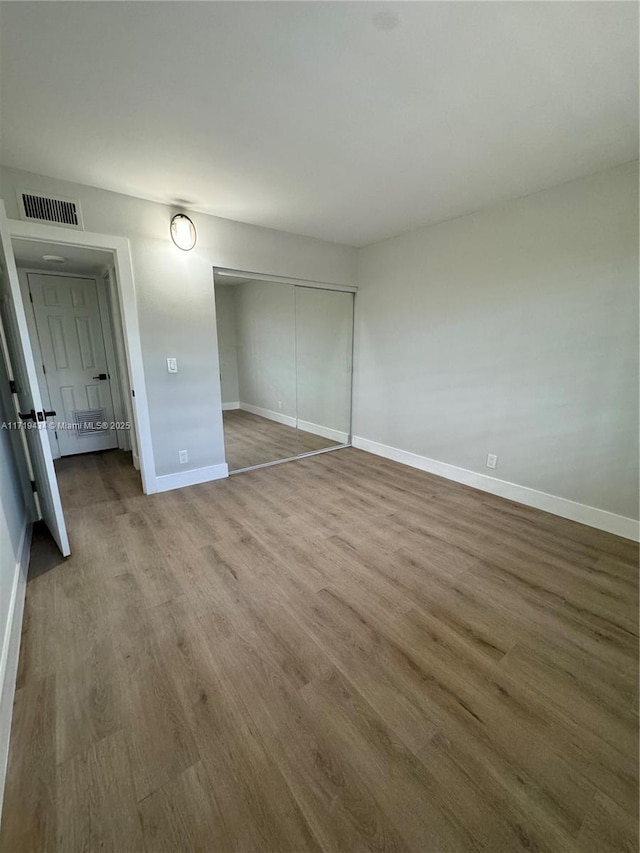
x,y
324,326
285,369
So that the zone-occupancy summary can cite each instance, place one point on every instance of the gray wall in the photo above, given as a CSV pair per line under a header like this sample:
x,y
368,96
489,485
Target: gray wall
x,y
176,304
227,352
13,520
324,332
513,331
13,513
266,345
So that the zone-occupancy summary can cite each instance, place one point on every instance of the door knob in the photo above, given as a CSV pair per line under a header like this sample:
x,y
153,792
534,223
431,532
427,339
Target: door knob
x,y
102,376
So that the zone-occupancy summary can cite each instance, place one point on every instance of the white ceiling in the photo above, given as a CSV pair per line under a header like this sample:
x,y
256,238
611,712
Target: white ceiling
x,y
77,259
346,121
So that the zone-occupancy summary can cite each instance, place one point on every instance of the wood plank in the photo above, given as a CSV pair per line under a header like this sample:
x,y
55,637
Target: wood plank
x,y
608,829
92,788
402,784
29,817
184,815
339,653
337,804
159,740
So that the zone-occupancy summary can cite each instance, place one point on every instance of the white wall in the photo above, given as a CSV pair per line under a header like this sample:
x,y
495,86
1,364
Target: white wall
x,y
176,303
513,331
227,351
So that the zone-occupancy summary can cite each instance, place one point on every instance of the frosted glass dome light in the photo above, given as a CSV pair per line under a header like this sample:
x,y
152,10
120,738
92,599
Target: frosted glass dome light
x,y
183,232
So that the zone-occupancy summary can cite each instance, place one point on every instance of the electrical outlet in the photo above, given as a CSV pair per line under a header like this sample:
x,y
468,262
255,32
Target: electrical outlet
x,y
492,460
172,365
183,456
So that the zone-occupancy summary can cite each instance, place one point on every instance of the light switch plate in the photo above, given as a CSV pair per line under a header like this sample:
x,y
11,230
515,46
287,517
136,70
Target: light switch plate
x,y
172,365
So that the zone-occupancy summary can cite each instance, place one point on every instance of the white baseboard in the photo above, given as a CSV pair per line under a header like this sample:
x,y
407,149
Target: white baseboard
x,y
306,426
226,407
11,650
167,482
288,420
326,432
628,528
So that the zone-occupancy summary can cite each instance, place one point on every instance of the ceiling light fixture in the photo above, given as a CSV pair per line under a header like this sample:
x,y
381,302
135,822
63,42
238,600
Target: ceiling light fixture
x,y
54,259
183,232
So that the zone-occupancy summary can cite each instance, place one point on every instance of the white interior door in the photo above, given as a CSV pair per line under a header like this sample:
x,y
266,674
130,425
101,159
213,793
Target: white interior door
x,y
27,394
70,332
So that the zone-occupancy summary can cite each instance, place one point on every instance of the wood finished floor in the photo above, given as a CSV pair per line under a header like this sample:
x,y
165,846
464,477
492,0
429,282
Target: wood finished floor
x,y
252,440
336,654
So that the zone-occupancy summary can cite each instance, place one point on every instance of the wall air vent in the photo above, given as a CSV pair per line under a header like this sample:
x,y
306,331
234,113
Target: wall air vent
x,y
89,421
44,208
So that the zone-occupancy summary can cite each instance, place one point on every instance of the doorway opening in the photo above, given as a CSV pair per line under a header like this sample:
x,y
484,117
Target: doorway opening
x,y
76,335
75,328
71,346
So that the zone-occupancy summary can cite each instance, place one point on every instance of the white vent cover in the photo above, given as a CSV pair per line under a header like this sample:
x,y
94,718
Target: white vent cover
x,y
35,207
89,421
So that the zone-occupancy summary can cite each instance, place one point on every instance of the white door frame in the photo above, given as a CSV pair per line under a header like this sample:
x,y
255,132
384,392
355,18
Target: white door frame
x,y
121,250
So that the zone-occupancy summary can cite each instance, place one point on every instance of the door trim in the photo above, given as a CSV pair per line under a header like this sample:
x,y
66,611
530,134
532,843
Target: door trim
x,y
121,249
116,385
222,272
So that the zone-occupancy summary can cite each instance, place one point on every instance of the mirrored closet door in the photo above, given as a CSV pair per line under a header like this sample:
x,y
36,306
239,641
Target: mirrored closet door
x,y
324,332
285,368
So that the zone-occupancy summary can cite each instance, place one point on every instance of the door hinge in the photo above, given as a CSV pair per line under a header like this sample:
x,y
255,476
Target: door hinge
x,y
12,386
44,369
33,486
31,297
